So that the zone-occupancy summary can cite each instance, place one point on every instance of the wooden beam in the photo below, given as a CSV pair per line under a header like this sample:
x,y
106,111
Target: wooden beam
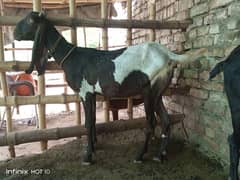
x,y
37,6
4,86
129,43
104,23
63,99
23,65
72,13
104,15
152,16
15,138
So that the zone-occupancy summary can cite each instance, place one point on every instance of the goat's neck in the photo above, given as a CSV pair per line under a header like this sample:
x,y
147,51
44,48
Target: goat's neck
x,y
57,45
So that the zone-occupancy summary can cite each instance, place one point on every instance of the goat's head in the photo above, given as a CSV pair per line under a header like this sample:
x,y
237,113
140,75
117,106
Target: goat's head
x,y
33,27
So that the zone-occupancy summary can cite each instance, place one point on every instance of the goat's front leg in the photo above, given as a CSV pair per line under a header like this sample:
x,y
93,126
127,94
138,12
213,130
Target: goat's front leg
x,y
163,114
150,125
94,133
89,124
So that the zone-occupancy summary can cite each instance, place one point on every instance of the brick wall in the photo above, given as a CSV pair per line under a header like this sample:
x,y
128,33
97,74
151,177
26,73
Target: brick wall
x,y
215,26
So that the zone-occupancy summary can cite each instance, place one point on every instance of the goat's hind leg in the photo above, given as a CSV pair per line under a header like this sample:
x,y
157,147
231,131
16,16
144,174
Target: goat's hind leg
x,y
89,124
234,158
150,125
234,143
165,122
94,132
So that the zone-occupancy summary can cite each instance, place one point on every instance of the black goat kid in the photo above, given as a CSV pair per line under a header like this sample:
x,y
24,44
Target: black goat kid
x,y
231,70
144,69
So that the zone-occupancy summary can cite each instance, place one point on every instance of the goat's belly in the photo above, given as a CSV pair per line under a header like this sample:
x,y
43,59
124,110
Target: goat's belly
x,y
133,84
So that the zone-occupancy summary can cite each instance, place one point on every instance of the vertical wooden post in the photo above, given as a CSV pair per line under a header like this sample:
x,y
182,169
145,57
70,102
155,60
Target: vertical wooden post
x,y
41,89
129,43
104,15
5,87
152,16
84,36
13,51
72,13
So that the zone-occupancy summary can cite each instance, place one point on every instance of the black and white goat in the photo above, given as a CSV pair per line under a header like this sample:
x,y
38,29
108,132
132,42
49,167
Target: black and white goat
x,y
144,69
231,70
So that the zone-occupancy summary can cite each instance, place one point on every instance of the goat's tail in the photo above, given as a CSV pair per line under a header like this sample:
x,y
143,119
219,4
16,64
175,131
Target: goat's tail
x,y
189,56
216,70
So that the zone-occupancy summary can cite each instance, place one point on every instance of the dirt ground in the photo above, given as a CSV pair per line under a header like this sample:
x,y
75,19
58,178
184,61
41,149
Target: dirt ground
x,y
113,159
112,162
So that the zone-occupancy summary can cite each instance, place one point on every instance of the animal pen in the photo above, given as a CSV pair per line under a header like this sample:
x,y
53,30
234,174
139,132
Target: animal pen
x,y
43,134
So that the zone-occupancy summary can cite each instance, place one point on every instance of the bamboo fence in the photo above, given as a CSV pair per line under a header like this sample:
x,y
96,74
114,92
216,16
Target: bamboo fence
x,y
43,134
15,138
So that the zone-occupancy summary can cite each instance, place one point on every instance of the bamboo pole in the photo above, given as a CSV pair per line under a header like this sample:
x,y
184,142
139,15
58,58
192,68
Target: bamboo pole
x,y
13,51
129,43
39,99
4,85
22,65
104,16
103,23
41,90
152,16
15,138
84,36
72,13
63,99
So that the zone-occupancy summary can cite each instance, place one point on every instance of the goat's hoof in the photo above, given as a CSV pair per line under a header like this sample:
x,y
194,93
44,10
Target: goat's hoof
x,y
86,163
137,161
87,160
157,159
161,158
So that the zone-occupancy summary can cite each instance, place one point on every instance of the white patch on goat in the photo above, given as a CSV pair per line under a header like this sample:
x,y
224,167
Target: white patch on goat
x,y
85,88
98,89
163,136
148,58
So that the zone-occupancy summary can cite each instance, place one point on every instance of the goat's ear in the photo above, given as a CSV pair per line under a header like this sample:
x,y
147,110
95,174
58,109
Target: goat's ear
x,y
38,51
41,64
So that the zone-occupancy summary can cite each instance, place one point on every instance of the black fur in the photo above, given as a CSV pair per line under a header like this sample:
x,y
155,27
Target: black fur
x,y
96,66
231,70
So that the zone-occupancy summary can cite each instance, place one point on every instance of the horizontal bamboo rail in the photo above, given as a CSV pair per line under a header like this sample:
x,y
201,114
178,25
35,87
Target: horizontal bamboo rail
x,y
26,100
55,85
15,138
64,98
104,23
22,65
